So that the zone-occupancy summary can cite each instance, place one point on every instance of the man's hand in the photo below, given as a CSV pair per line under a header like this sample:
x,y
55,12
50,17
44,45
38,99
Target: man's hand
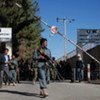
x,y
42,57
8,62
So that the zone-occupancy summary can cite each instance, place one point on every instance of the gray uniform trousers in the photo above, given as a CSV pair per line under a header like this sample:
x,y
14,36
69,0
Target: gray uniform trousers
x,y
42,70
42,76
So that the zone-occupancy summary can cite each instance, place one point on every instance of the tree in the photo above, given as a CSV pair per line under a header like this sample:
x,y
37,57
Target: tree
x,y
26,28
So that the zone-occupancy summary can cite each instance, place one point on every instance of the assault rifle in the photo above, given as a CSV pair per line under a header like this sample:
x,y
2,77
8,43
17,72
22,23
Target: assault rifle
x,y
49,61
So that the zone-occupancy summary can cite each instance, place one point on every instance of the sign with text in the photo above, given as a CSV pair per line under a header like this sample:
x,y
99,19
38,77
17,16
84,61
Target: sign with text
x,y
5,34
88,35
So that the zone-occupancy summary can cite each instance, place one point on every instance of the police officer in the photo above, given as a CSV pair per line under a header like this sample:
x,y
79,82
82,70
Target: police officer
x,y
40,55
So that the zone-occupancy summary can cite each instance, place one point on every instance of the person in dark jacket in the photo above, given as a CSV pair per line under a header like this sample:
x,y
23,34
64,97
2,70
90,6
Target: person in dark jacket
x,y
69,70
93,67
80,68
4,66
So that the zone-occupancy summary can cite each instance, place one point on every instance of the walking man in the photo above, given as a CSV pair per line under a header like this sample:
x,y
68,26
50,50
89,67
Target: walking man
x,y
4,64
12,69
41,56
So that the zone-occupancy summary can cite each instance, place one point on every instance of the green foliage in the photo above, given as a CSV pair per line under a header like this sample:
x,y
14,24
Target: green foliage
x,y
26,29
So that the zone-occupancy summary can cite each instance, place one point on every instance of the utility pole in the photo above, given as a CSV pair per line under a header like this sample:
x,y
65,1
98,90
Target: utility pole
x,y
65,35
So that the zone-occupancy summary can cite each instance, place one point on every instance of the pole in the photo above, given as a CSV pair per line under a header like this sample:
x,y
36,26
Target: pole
x,y
65,42
65,34
88,72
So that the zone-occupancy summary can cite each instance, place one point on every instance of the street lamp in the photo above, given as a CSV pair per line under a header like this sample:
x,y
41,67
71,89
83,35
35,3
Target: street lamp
x,y
65,35
64,20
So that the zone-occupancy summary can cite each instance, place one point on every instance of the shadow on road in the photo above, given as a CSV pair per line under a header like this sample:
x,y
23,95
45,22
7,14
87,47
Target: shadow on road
x,y
22,93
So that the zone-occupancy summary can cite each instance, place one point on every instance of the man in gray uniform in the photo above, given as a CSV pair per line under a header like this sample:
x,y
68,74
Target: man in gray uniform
x,y
40,55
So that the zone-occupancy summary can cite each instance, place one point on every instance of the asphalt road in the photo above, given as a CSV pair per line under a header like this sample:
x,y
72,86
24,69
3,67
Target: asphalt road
x,y
57,91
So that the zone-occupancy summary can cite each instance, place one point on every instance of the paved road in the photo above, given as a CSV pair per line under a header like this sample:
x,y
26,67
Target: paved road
x,y
57,91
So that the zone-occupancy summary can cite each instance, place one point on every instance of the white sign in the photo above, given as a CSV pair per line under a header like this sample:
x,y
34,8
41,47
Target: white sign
x,y
88,36
5,34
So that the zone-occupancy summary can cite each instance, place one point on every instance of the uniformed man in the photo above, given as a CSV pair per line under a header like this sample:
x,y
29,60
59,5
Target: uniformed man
x,y
41,55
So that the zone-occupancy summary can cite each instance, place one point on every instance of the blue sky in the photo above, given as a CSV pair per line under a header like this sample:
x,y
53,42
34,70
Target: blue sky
x,y
85,12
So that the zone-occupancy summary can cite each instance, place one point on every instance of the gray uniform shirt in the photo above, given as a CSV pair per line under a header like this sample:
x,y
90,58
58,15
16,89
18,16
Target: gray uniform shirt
x,y
36,56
